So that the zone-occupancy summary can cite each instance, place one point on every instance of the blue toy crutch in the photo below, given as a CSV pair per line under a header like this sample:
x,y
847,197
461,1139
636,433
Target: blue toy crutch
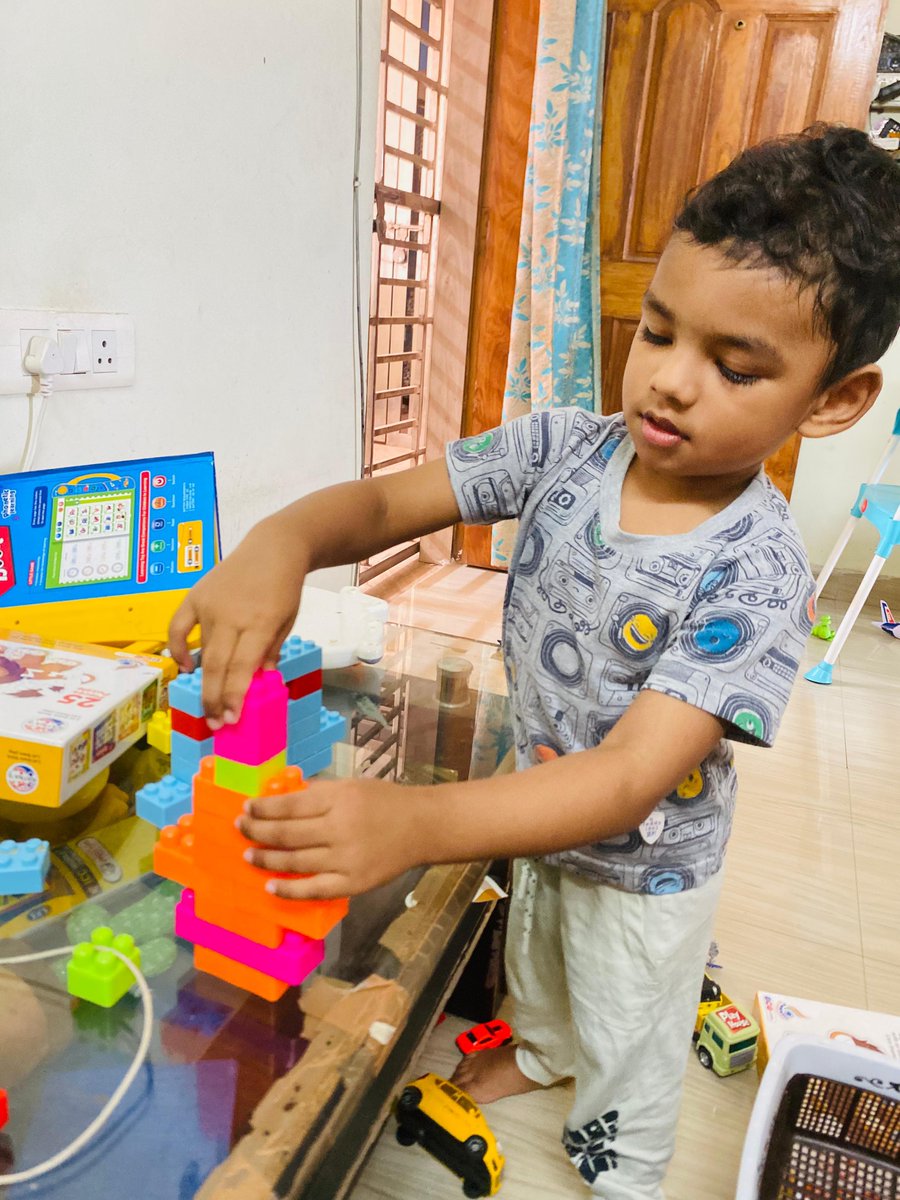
x,y
880,504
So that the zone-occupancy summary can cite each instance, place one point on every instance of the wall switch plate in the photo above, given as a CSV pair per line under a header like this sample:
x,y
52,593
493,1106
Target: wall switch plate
x,y
98,349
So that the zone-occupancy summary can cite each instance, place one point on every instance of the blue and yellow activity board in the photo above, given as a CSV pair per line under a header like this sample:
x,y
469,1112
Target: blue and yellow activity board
x,y
105,553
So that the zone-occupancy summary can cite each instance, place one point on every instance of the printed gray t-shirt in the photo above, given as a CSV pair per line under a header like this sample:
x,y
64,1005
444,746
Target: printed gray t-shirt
x,y
716,617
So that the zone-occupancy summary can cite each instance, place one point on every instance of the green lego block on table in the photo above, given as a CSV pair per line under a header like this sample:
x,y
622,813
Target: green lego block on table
x,y
249,781
95,974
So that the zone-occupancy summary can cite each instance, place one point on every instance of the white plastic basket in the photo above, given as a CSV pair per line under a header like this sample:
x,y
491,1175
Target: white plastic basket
x,y
825,1126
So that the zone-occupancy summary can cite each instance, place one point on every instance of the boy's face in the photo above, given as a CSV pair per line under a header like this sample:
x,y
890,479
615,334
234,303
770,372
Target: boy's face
x,y
724,366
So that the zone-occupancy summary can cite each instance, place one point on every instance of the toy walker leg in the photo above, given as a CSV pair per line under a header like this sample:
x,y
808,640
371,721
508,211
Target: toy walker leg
x,y
822,673
839,546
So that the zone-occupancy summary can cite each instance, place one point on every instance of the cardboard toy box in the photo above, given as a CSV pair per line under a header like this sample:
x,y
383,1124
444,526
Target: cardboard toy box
x,y
786,1016
66,712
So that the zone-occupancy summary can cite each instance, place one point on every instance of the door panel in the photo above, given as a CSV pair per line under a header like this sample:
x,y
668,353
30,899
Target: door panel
x,y
687,85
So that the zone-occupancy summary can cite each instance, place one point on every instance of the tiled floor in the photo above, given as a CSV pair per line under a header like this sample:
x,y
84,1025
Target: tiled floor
x,y
811,904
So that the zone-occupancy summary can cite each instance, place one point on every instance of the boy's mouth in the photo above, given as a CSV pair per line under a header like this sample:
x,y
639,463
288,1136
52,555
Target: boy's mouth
x,y
660,432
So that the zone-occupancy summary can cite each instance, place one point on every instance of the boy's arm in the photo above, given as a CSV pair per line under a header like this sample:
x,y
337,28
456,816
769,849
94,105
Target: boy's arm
x,y
247,605
352,835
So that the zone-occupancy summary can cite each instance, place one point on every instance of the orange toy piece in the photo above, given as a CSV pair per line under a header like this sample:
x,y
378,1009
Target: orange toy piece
x,y
238,920
211,797
238,974
173,855
312,918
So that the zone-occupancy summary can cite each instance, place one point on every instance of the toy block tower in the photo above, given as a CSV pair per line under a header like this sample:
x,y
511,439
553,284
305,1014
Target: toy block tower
x,y
241,933
183,732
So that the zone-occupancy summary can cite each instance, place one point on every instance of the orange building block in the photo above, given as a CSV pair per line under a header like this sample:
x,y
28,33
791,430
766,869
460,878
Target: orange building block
x,y
313,918
238,920
211,797
173,854
238,974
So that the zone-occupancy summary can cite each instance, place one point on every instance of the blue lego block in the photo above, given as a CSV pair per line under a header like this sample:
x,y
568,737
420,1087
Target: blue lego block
x,y
184,694
313,764
307,706
307,727
23,866
298,657
332,728
163,803
186,755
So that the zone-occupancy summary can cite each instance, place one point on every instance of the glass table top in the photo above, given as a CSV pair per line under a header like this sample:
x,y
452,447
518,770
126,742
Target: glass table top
x,y
434,709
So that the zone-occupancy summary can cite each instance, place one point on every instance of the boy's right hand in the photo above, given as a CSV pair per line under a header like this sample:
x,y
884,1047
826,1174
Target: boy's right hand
x,y
245,607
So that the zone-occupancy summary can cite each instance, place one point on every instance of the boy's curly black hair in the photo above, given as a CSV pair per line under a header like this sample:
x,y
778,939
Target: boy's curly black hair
x,y
822,206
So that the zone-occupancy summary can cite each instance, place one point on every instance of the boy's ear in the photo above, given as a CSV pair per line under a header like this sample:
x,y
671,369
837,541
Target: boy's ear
x,y
843,403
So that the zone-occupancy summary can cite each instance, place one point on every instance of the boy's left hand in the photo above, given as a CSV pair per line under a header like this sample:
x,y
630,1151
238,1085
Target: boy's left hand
x,y
348,836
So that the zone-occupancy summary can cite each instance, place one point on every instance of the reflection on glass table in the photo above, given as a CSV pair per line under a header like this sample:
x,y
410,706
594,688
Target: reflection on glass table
x,y
293,1097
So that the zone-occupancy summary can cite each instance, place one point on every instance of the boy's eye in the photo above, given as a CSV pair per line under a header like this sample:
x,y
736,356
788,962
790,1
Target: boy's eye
x,y
655,339
736,376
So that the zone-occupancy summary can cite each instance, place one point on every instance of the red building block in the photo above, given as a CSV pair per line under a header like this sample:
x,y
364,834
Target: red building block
x,y
173,854
238,974
305,685
261,732
192,727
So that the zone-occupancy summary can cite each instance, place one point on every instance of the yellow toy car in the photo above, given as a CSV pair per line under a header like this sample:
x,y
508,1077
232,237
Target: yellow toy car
x,y
450,1126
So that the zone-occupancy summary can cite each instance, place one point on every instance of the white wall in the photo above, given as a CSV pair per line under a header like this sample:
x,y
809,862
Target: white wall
x,y
190,162
830,471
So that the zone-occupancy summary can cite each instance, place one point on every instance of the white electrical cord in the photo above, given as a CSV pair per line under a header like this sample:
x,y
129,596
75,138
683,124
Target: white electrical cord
x,y
115,1099
43,359
33,432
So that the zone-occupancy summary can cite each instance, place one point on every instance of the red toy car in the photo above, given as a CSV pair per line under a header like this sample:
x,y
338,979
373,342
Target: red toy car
x,y
4,1108
484,1037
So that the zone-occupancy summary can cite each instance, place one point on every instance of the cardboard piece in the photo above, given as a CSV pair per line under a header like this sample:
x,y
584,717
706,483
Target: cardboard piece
x,y
788,1016
340,1059
408,934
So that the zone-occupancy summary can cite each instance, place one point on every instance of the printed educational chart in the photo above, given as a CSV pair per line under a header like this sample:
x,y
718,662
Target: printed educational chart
x,y
116,534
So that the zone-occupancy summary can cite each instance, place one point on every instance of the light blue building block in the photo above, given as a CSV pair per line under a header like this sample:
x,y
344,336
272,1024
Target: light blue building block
x,y
163,803
298,657
307,706
23,866
186,755
332,728
184,694
307,727
313,764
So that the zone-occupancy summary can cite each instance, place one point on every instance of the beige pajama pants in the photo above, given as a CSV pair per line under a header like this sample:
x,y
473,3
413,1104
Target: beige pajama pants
x,y
606,986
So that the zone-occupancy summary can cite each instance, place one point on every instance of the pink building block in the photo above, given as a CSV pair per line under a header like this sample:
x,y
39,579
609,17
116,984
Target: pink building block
x,y
290,962
261,732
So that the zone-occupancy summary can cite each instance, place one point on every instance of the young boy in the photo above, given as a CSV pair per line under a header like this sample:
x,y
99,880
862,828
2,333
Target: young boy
x,y
659,598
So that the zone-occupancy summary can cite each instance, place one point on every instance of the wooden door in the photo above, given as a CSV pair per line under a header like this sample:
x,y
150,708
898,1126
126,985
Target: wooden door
x,y
687,85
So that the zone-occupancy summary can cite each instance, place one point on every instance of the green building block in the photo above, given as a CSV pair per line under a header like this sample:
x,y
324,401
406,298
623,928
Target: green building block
x,y
96,975
248,781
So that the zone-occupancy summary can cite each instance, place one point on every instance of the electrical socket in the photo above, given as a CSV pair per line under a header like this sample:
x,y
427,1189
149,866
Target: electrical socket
x,y
104,351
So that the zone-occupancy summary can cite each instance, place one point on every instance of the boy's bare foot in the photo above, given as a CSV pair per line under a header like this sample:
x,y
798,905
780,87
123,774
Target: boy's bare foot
x,y
490,1075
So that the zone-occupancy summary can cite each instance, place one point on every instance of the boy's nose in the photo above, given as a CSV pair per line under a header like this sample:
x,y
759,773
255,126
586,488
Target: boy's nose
x,y
677,379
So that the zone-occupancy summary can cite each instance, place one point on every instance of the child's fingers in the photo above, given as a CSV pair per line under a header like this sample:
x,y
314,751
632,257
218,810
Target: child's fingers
x,y
300,862
285,834
246,658
186,617
219,644
311,802
328,886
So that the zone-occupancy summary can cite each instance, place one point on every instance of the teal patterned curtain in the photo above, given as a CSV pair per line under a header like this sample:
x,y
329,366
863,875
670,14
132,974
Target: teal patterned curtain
x,y
555,336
